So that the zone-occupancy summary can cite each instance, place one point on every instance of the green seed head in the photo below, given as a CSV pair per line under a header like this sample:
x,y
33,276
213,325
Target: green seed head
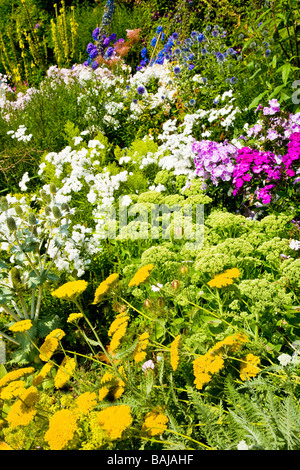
x,y
56,212
19,210
48,210
52,188
12,226
3,204
32,219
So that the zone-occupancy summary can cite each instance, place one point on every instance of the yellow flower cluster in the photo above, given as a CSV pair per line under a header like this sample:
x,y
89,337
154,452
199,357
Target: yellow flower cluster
x,y
73,317
174,352
115,420
117,330
12,390
70,290
85,402
50,344
111,385
4,446
212,362
224,279
141,275
230,344
104,287
249,368
139,353
65,372
205,366
21,326
48,348
155,423
15,375
23,411
62,428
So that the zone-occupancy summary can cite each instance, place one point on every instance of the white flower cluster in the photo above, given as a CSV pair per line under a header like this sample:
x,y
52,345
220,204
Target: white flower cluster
x,y
20,134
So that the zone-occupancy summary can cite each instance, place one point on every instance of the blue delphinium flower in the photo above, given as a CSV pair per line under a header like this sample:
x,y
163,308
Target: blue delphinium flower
x,y
141,90
94,52
176,69
268,52
112,37
175,35
96,33
191,67
200,37
159,29
89,47
95,65
153,42
144,52
109,51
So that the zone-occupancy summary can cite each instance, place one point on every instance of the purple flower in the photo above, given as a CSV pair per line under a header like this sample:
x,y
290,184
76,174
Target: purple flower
x,y
176,69
89,47
94,52
141,90
109,51
96,33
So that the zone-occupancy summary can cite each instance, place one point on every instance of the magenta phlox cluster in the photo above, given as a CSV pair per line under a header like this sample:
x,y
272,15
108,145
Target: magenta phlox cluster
x,y
266,167
214,161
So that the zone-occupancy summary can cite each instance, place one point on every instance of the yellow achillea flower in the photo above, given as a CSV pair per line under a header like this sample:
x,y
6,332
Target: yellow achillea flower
x,y
117,330
114,420
15,375
111,385
74,317
174,353
62,428
70,290
22,412
4,446
48,348
57,333
66,371
155,423
249,368
21,326
224,279
204,366
104,287
42,374
12,390
85,402
139,353
141,275
231,343
51,344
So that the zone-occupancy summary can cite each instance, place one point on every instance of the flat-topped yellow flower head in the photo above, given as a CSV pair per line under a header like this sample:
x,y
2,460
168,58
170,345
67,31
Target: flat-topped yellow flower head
x,y
70,290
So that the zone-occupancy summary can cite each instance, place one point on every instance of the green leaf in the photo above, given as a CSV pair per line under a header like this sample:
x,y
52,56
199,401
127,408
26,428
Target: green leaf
x,y
257,100
3,371
53,277
286,68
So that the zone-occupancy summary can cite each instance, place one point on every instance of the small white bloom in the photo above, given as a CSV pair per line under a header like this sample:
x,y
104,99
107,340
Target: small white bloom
x,y
295,245
284,359
126,201
23,181
148,365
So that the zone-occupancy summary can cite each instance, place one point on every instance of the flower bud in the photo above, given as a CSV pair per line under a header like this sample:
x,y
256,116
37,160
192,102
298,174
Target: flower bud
x,y
3,204
52,188
11,224
48,210
56,212
65,207
32,219
161,302
147,303
19,210
183,270
175,284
